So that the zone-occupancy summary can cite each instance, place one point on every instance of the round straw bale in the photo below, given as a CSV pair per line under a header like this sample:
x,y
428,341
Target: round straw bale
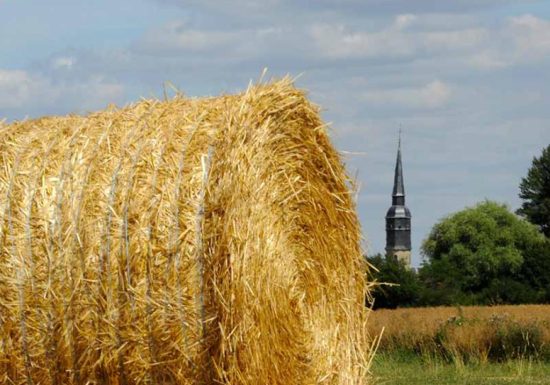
x,y
190,241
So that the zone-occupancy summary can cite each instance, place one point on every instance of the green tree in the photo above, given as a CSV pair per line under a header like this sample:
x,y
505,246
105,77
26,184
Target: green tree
x,y
398,286
535,271
483,255
535,192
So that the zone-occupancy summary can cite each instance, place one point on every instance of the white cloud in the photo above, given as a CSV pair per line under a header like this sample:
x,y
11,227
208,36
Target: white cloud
x,y
432,95
521,40
227,5
395,40
17,88
63,62
29,92
403,21
342,6
530,35
406,37
458,40
178,36
486,60
338,41
217,47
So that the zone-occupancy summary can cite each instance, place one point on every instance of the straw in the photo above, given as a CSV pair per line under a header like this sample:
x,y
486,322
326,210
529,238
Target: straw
x,y
185,241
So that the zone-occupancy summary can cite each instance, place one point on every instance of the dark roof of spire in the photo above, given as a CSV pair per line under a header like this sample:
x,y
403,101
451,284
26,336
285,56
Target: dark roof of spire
x,y
398,185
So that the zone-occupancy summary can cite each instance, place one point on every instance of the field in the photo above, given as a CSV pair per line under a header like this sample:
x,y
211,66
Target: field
x,y
402,370
463,345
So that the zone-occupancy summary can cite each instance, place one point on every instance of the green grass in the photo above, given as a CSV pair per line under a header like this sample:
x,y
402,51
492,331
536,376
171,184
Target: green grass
x,y
394,369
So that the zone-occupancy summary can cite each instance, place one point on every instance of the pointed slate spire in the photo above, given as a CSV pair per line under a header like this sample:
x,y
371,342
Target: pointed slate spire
x,y
398,217
398,195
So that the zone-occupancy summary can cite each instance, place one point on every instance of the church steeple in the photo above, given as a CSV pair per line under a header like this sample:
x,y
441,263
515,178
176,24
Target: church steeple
x,y
398,195
398,217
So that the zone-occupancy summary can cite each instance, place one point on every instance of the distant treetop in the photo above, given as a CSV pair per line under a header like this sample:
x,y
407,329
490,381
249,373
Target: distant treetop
x,y
535,192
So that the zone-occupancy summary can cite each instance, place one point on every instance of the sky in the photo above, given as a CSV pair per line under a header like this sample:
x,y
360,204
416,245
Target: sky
x,y
466,80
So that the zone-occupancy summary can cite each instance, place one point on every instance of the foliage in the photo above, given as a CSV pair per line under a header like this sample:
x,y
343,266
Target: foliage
x,y
397,284
535,192
535,272
485,255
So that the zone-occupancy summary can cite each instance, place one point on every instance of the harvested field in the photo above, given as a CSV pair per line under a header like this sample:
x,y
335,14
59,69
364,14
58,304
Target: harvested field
x,y
470,333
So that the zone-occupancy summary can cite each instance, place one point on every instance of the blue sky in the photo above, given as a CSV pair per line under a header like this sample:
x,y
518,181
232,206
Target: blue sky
x,y
467,80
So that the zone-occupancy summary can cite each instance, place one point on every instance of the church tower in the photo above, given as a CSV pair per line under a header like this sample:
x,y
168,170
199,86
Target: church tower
x,y
398,218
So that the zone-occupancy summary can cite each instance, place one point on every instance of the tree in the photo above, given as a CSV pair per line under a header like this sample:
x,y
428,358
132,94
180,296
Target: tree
x,y
535,270
535,192
398,286
483,255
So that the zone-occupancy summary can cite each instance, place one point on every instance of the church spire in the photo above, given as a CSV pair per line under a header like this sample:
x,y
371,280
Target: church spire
x,y
398,195
398,217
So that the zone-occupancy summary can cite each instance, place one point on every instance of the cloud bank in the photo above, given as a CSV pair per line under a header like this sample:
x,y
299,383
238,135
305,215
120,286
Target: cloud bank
x,y
467,81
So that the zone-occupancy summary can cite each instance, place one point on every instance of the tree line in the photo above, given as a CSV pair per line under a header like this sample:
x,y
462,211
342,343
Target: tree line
x,y
481,255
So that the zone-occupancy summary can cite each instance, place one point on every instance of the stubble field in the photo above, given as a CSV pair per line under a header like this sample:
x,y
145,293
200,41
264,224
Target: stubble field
x,y
463,345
